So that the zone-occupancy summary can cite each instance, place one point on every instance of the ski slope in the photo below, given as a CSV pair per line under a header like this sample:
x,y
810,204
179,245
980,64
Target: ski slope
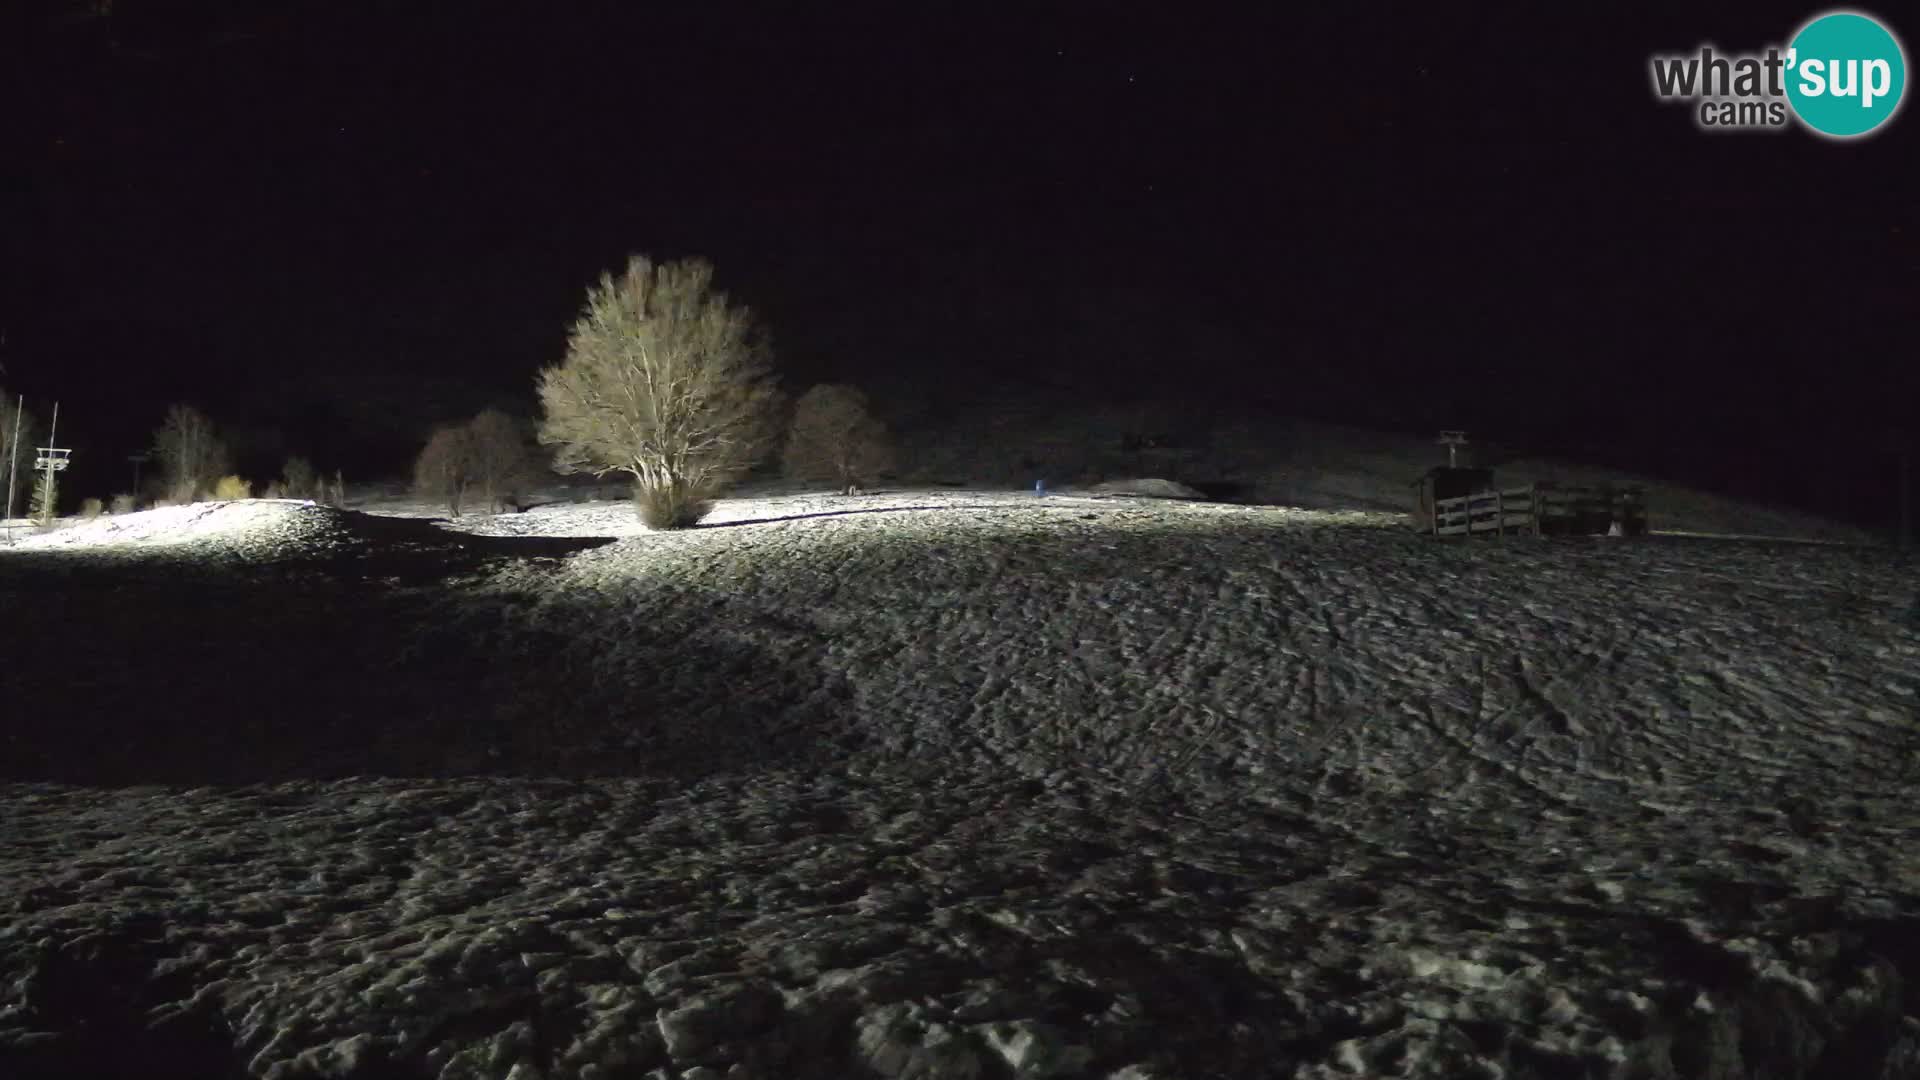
x,y
952,784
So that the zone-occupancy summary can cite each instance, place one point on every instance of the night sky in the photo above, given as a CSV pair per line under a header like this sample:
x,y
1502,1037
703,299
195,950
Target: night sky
x,y
331,223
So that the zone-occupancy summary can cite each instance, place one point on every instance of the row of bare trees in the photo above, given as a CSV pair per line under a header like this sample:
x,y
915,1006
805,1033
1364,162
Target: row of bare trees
x,y
669,381
487,456
195,463
192,462
665,379
488,459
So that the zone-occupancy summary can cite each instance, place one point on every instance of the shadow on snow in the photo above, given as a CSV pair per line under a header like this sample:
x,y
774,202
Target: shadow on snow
x,y
370,659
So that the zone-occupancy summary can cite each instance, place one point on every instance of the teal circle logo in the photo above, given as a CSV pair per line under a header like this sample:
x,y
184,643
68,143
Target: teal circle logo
x,y
1846,74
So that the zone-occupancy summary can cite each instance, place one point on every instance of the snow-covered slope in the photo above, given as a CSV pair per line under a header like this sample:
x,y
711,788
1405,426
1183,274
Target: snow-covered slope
x,y
945,784
259,527
1010,442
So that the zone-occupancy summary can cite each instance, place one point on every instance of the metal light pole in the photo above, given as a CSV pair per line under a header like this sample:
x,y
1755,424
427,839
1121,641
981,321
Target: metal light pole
x,y
13,459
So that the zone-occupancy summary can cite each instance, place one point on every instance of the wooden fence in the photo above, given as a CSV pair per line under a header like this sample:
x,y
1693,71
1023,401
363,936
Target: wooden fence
x,y
1542,510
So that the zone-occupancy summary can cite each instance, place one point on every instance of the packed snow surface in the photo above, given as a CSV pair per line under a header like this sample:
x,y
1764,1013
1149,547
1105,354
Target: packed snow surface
x,y
252,522
940,784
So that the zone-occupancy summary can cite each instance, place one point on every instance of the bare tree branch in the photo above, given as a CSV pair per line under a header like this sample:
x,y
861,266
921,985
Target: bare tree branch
x,y
191,455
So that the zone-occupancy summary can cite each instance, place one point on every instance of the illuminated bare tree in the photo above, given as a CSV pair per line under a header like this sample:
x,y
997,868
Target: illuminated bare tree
x,y
499,464
46,496
298,480
190,453
445,465
664,380
835,438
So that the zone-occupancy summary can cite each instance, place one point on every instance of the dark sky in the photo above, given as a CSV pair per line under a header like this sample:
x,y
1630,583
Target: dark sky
x,y
1432,215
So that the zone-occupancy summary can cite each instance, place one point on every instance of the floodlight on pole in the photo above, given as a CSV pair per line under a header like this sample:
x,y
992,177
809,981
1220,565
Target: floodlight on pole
x,y
1453,441
13,458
